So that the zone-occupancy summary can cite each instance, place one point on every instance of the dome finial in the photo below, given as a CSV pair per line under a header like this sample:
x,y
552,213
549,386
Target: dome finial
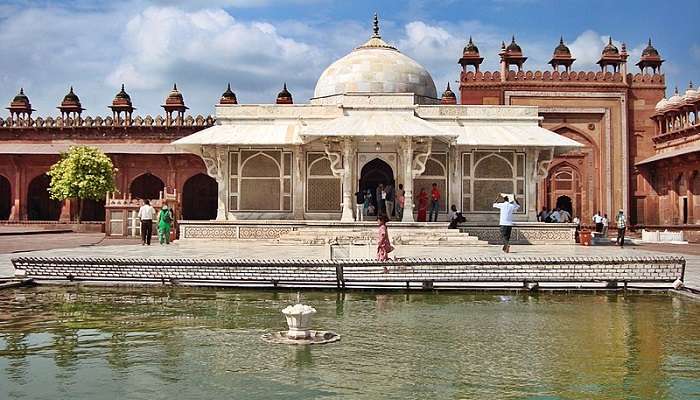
x,y
561,39
375,27
21,90
690,85
649,41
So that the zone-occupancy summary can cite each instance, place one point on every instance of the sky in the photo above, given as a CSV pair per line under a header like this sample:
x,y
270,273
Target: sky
x,y
257,45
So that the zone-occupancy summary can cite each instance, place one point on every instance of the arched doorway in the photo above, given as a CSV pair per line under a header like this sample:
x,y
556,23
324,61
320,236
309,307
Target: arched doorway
x,y
146,186
564,203
200,198
40,205
93,210
5,198
564,184
373,174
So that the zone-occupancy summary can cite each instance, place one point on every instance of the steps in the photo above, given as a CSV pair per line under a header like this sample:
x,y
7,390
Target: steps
x,y
363,235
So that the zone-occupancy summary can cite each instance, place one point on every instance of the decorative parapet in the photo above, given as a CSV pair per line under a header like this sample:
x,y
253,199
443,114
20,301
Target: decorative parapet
x,y
90,122
556,76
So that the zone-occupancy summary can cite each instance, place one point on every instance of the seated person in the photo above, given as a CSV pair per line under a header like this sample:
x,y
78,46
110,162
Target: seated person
x,y
455,217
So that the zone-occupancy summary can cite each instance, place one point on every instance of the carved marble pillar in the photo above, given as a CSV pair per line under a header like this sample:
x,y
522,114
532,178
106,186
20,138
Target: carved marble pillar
x,y
414,167
216,161
299,171
406,146
538,165
346,156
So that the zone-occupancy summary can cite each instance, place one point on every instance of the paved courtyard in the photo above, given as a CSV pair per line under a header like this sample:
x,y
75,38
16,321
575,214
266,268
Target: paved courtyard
x,y
94,245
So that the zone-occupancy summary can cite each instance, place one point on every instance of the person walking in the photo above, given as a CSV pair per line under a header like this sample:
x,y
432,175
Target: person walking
x,y
434,203
146,214
598,221
165,220
621,222
359,205
422,205
605,222
506,219
389,201
400,201
384,246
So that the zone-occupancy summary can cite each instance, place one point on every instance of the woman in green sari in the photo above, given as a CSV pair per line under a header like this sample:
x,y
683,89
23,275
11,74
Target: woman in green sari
x,y
165,220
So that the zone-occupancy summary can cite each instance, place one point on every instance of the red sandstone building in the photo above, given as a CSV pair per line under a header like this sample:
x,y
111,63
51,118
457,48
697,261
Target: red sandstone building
x,y
612,112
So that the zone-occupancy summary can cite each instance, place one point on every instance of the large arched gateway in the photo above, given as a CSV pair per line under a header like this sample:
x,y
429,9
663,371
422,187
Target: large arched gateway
x,y
5,198
40,205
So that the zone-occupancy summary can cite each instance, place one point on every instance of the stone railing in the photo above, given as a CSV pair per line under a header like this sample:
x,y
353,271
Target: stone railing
x,y
404,273
90,122
662,237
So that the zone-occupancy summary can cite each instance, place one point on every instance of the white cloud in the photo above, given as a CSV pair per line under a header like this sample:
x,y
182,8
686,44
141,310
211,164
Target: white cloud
x,y
150,47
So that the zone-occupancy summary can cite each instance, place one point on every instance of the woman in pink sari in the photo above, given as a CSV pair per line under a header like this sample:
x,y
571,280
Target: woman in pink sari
x,y
384,246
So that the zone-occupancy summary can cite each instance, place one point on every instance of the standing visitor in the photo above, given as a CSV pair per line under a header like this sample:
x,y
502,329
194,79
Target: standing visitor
x,y
434,203
621,222
146,214
400,201
506,219
422,205
577,222
606,223
389,201
367,203
383,243
598,221
165,220
359,205
381,198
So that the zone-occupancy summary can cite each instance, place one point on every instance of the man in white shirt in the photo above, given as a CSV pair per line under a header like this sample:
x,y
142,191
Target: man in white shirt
x,y
598,221
506,219
146,214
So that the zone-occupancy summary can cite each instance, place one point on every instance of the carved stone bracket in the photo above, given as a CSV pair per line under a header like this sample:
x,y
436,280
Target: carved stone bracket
x,y
420,159
544,159
336,158
213,157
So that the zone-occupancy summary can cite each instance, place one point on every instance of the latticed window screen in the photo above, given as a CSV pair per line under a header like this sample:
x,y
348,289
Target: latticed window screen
x,y
323,190
260,180
486,174
435,172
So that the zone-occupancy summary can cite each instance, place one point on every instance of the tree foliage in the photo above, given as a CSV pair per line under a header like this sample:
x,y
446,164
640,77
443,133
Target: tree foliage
x,y
84,173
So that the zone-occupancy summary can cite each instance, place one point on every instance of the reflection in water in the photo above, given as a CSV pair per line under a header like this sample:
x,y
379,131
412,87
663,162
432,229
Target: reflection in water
x,y
106,343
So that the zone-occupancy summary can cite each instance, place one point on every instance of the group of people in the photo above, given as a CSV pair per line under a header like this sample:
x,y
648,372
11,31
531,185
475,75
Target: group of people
x,y
390,202
164,219
386,201
554,215
602,222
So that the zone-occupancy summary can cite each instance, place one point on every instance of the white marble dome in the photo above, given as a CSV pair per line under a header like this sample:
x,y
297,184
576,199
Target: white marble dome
x,y
375,67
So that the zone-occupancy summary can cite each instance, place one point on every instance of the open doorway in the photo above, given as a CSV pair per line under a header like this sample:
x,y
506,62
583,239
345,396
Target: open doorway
x,y
564,203
373,174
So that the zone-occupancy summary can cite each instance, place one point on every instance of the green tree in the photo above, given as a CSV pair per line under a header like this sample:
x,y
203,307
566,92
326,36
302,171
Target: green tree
x,y
82,173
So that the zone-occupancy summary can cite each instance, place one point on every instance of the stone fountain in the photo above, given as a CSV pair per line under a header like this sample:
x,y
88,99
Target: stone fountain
x,y
299,323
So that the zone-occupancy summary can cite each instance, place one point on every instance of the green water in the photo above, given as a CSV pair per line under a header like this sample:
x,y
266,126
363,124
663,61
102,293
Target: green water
x,y
67,343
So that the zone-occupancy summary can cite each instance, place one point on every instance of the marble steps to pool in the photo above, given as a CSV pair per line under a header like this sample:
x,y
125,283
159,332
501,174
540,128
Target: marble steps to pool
x,y
363,235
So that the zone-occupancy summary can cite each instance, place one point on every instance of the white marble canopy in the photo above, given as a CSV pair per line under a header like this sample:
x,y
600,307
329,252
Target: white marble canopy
x,y
378,124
